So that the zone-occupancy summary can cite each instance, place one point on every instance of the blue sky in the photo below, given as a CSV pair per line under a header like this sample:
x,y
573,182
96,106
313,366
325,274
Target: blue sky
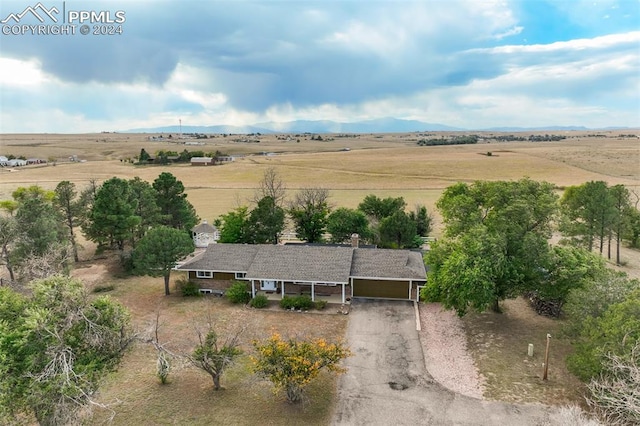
x,y
473,64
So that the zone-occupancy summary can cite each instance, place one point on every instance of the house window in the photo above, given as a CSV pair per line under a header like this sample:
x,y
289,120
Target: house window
x,y
204,274
241,275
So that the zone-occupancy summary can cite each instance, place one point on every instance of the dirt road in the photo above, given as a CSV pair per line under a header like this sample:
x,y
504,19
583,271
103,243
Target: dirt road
x,y
387,383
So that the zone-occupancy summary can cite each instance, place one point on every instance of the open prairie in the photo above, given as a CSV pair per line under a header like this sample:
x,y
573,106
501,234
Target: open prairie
x,y
351,166
387,165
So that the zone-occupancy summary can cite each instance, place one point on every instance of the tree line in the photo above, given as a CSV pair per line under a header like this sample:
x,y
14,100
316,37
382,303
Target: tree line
x,y
38,230
496,246
380,221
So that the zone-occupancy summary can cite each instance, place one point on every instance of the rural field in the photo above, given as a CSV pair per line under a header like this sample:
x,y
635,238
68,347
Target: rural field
x,y
385,165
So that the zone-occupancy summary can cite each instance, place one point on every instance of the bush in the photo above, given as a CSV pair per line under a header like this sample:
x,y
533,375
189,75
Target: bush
x,y
287,302
320,304
187,288
260,301
238,293
297,302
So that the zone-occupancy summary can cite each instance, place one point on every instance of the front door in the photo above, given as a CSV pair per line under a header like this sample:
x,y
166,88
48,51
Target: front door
x,y
268,285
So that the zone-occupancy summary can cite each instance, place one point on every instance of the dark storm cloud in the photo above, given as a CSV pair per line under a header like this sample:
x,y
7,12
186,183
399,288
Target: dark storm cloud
x,y
260,54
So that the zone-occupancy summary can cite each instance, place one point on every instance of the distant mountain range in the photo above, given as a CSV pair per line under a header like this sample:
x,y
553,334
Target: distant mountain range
x,y
380,125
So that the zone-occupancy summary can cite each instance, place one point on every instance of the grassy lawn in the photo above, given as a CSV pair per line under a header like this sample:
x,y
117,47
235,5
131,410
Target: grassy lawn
x,y
138,397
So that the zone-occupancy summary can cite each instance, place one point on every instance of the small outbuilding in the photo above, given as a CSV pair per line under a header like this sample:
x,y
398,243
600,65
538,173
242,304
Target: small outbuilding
x,y
204,234
202,161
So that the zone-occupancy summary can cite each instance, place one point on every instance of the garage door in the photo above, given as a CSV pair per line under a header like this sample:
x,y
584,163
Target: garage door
x,y
381,289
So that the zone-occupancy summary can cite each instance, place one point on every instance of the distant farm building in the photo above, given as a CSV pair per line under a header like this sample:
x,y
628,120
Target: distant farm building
x,y
225,159
202,161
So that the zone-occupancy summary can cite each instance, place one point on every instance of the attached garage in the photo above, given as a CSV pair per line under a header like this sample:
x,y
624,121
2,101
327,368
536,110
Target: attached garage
x,y
387,274
385,289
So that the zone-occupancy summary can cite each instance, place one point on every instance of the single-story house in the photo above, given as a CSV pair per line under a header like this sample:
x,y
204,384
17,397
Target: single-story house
x,y
339,273
202,161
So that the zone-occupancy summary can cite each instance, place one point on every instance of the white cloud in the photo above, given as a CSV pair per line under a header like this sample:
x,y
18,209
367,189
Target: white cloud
x,y
16,72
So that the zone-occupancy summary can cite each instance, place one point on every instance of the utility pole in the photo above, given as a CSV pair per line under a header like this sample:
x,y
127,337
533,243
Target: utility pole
x,y
180,120
546,359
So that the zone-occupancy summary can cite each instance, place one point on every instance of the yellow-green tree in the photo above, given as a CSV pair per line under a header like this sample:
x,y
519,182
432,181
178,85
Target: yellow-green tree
x,y
292,364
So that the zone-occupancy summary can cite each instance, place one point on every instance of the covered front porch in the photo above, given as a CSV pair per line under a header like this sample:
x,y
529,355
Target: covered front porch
x,y
276,290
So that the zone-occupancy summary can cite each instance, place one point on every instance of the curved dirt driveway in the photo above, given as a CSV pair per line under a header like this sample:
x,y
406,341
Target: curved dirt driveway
x,y
387,383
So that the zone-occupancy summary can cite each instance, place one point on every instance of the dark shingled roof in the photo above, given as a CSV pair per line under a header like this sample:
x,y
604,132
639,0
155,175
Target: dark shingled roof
x,y
308,263
302,263
386,263
223,258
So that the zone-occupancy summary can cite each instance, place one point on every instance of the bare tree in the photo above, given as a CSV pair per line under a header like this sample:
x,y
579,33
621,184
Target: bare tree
x,y
272,186
615,395
165,356
53,261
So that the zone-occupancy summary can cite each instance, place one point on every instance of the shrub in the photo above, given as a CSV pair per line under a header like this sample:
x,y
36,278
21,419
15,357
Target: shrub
x,y
238,293
187,287
260,301
320,304
297,302
303,302
287,302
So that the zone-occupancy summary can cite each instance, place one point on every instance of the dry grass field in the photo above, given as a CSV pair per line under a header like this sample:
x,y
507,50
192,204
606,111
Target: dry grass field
x,y
386,165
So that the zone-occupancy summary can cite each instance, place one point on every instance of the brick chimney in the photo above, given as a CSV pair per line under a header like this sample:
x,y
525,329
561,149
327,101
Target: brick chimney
x,y
355,240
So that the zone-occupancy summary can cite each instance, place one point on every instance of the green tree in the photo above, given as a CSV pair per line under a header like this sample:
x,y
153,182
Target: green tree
x,y
55,347
309,210
234,226
158,251
588,213
566,269
378,208
68,207
143,197
632,230
469,272
594,298
512,223
620,223
213,356
292,364
176,210
344,222
40,231
9,206
113,216
422,220
8,237
85,203
615,332
144,156
397,231
266,222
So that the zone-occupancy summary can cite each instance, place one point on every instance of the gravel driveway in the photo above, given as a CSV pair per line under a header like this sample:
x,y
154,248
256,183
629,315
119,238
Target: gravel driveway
x,y
387,383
